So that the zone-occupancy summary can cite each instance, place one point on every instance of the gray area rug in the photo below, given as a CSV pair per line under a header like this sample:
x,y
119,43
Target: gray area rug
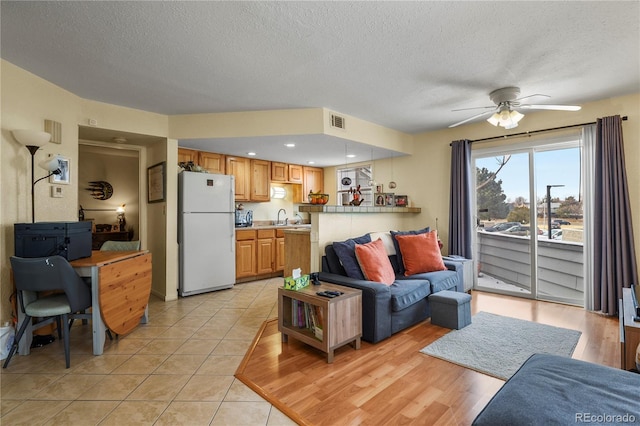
x,y
498,345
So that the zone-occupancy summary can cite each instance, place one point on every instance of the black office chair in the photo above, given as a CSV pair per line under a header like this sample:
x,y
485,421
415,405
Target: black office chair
x,y
43,274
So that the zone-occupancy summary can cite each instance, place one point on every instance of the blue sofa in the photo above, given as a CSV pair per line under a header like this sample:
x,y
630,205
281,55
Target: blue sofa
x,y
389,309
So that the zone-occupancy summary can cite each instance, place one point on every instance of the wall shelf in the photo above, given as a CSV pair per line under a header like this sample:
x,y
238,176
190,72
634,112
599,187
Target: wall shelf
x,y
357,209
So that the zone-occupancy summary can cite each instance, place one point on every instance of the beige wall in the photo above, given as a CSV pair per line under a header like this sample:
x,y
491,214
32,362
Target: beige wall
x,y
27,101
424,176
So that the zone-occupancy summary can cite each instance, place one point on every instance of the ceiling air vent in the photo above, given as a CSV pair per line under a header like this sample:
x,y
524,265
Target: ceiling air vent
x,y
337,121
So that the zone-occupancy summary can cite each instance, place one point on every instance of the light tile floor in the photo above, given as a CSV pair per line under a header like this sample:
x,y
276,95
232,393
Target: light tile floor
x,y
176,370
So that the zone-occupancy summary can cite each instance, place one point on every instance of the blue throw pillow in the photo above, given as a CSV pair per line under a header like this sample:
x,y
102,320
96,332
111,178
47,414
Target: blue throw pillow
x,y
346,251
397,246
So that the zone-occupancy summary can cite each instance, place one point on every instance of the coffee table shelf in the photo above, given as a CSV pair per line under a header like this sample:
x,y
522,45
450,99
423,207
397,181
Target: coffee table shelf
x,y
341,317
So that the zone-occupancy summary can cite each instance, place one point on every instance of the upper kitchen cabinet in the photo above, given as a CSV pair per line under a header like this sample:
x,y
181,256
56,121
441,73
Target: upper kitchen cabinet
x,y
279,172
252,178
295,173
212,162
240,168
260,173
185,155
286,173
313,180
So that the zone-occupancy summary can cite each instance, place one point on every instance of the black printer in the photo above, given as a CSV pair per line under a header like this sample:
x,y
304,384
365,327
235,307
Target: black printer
x,y
71,240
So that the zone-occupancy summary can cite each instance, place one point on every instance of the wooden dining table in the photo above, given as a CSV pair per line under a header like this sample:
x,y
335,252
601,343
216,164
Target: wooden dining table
x,y
120,290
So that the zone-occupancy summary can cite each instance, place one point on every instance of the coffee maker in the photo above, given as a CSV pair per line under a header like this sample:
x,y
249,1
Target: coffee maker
x,y
244,218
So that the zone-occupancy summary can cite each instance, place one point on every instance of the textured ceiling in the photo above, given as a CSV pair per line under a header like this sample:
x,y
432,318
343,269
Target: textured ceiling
x,y
403,65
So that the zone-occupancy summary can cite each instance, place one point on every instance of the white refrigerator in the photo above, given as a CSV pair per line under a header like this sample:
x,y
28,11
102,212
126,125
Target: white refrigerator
x,y
206,232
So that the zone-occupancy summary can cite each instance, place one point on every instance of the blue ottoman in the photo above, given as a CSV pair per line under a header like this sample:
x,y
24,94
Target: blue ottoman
x,y
450,309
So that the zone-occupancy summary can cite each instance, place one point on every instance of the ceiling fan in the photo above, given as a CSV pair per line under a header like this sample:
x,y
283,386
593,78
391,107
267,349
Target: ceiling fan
x,y
504,113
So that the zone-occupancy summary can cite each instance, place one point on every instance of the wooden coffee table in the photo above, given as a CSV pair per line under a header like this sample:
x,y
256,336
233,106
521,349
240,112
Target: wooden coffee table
x,y
301,312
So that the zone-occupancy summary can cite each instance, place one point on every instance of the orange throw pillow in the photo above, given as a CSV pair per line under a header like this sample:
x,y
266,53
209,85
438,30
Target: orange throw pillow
x,y
420,253
374,262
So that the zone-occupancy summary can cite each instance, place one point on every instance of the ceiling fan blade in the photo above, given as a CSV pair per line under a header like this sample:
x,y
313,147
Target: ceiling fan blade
x,y
473,118
531,96
552,107
467,109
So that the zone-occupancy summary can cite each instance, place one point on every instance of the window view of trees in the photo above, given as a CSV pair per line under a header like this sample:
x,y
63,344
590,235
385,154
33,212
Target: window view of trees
x,y
494,205
491,199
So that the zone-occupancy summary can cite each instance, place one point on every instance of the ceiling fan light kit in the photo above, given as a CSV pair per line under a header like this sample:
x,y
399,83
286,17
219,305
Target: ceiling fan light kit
x,y
506,118
505,114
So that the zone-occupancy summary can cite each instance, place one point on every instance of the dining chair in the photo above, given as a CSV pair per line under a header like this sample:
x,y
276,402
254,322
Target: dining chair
x,y
120,245
70,297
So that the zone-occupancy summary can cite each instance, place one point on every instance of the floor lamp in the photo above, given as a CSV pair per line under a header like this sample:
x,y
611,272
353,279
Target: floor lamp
x,y
33,140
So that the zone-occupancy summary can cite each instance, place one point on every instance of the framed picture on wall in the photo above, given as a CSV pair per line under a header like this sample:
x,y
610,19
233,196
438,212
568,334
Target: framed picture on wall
x,y
63,178
378,200
156,191
389,200
379,187
401,201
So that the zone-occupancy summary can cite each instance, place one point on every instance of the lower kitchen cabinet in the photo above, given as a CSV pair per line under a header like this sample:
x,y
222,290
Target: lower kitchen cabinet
x,y
280,251
259,253
246,254
266,251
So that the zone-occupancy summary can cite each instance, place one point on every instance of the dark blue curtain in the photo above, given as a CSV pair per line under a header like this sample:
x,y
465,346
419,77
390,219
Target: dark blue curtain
x,y
460,225
614,252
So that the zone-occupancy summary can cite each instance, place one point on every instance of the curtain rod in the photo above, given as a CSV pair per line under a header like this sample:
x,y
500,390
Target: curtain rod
x,y
625,118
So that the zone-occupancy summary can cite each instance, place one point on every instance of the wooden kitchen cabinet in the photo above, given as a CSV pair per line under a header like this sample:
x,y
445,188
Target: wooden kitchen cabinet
x,y
185,155
240,168
266,251
245,253
251,176
260,180
212,162
280,252
313,180
295,173
279,172
286,173
259,253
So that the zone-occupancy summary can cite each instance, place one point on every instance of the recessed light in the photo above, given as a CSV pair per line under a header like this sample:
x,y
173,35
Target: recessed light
x,y
290,145
351,155
311,162
251,153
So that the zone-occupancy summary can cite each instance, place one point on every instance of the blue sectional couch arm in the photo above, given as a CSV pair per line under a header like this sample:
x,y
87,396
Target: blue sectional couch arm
x,y
453,265
376,298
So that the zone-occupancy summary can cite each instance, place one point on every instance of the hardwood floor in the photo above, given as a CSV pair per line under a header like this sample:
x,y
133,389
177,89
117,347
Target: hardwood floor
x,y
392,382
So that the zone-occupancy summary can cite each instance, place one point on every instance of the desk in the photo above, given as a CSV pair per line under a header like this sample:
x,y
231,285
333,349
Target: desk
x,y
120,290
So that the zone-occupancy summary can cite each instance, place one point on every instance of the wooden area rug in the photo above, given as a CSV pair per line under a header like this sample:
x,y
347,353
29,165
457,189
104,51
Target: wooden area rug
x,y
498,345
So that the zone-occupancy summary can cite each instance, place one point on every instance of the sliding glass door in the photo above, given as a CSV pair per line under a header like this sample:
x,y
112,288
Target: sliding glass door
x,y
528,204
504,223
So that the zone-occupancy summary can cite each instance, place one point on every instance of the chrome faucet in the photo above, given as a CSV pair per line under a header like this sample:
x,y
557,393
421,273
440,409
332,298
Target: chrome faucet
x,y
278,219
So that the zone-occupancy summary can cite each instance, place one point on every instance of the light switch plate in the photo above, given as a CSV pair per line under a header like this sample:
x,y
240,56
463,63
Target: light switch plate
x,y
56,191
